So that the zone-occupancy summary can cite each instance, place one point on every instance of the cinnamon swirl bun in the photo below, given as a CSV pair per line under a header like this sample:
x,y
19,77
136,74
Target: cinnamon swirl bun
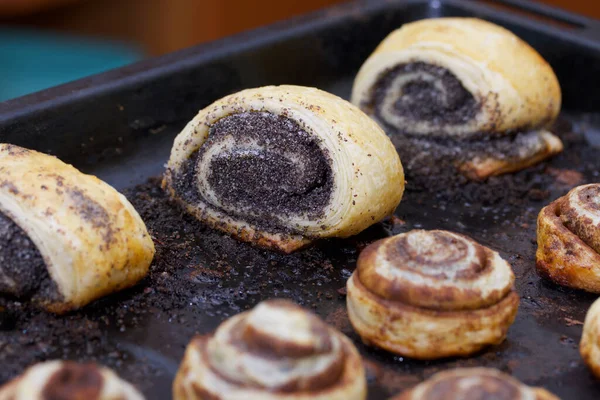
x,y
66,238
431,294
280,166
474,384
66,380
589,347
277,351
568,237
464,93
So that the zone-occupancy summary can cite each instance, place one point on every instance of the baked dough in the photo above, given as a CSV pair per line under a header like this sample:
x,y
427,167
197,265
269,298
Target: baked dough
x,y
474,383
66,238
463,89
280,166
589,347
568,237
68,380
277,351
431,294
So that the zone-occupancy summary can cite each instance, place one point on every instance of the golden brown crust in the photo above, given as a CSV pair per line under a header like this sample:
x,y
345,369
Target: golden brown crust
x,y
68,380
589,346
92,240
308,359
474,383
482,168
513,88
368,179
431,294
567,233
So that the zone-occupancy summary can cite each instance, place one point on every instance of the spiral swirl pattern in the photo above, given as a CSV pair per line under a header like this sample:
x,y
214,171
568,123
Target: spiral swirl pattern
x,y
474,384
263,167
568,237
276,351
431,294
282,166
68,380
435,269
439,87
419,97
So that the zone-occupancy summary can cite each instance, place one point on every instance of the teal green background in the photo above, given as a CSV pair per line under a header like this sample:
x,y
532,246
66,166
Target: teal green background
x,y
34,60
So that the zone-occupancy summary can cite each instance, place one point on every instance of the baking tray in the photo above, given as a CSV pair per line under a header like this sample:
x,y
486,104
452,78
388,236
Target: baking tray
x,y
120,126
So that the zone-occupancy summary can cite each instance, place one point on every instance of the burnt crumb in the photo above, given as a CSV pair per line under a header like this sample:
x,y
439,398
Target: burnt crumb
x,y
23,272
274,169
538,194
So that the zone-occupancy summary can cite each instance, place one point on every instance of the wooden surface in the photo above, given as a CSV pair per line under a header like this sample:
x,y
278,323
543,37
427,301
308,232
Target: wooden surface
x,y
162,26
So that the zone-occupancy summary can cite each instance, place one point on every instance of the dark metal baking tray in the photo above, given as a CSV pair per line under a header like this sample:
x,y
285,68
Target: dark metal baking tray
x,y
120,126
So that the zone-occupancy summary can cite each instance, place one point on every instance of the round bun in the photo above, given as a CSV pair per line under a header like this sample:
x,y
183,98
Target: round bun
x,y
589,346
277,351
474,383
431,294
568,237
67,380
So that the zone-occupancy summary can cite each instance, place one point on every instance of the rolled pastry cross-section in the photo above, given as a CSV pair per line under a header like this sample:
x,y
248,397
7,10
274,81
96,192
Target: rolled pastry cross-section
x,y
589,347
431,294
568,237
464,93
474,383
280,166
66,238
277,351
67,380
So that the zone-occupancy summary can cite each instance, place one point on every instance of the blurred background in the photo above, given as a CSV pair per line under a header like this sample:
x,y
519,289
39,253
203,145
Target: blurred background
x,y
44,43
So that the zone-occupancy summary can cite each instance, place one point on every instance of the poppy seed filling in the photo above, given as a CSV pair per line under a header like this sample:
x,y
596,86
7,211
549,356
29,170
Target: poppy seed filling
x,y
266,168
23,272
433,94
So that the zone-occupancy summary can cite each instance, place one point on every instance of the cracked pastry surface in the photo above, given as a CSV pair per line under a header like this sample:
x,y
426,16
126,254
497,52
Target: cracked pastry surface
x,y
464,93
281,166
66,238
474,384
276,351
568,238
67,380
431,294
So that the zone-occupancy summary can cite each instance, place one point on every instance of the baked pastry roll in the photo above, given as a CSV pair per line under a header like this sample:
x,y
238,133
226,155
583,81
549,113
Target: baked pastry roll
x,y
589,347
431,294
66,238
474,383
568,237
277,351
279,166
461,92
66,380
